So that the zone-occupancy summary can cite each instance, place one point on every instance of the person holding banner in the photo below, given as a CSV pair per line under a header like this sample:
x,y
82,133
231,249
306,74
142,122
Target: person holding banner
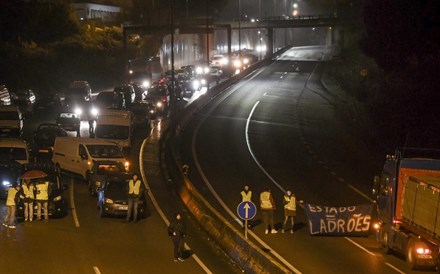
x,y
289,210
267,206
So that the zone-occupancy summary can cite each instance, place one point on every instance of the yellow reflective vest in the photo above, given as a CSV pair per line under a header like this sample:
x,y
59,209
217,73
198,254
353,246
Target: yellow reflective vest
x,y
10,200
290,202
265,201
134,188
42,191
246,196
28,191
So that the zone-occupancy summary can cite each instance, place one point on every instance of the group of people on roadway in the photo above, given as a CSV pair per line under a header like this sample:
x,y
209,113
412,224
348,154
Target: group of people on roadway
x,y
268,206
28,192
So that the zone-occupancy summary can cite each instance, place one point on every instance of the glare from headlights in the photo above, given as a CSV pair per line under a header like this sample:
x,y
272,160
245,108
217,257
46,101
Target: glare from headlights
x,y
78,111
199,70
57,198
196,84
6,183
245,61
108,201
225,61
126,165
130,71
94,111
203,81
159,104
145,84
206,70
237,63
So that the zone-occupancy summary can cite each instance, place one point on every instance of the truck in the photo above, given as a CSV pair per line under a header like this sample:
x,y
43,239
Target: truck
x,y
407,195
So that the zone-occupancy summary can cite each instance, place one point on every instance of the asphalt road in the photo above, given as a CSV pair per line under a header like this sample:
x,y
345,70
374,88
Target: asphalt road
x,y
280,128
82,242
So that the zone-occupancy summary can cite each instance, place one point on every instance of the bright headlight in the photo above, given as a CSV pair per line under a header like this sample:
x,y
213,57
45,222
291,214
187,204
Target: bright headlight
x,y
78,111
206,70
130,71
203,81
127,165
199,70
245,61
145,84
108,201
6,183
57,198
237,63
225,61
159,104
94,111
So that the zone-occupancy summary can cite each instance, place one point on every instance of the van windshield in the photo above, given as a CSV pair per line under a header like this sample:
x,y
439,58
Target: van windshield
x,y
112,132
13,153
104,151
9,115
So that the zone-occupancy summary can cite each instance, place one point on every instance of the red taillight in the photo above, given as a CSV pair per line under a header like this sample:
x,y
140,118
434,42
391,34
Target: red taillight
x,y
164,99
422,250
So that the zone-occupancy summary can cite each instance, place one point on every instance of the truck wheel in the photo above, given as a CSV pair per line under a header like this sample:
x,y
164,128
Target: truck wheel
x,y
410,256
384,242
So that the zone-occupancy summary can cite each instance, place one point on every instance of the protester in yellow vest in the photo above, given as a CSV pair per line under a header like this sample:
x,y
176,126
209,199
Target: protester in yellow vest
x,y
42,197
289,209
267,206
134,191
27,194
246,194
11,206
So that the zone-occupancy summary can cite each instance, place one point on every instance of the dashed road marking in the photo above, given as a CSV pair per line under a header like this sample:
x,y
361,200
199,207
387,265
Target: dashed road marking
x,y
96,270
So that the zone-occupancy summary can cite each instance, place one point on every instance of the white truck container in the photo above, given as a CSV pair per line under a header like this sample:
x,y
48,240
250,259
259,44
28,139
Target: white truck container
x,y
115,126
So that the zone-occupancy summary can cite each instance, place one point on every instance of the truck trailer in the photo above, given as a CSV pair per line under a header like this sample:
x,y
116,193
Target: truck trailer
x,y
407,195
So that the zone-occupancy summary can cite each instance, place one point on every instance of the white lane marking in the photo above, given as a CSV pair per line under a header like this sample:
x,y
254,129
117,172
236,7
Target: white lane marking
x,y
359,246
395,268
72,204
214,193
360,193
157,207
96,270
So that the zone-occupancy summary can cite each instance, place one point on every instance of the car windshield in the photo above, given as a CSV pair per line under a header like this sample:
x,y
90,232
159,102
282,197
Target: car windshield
x,y
104,169
9,115
115,185
77,92
104,151
112,132
13,153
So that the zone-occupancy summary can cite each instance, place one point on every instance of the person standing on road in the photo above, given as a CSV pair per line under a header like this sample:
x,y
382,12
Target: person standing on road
x,y
11,206
246,194
289,209
177,231
42,197
267,206
134,190
27,193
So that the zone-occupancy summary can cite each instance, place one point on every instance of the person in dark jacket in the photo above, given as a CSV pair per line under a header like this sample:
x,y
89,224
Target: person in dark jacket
x,y
177,231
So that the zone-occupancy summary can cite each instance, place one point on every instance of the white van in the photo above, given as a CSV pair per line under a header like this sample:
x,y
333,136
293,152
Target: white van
x,y
14,149
115,126
76,155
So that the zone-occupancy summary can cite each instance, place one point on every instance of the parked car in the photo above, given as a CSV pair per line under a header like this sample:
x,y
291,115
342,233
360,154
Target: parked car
x,y
10,170
110,100
52,102
15,149
69,121
141,115
113,197
44,138
11,121
160,95
128,92
100,171
57,206
24,99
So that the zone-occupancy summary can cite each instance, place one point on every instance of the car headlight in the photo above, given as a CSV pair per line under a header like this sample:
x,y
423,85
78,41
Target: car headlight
x,y
206,70
78,111
225,61
57,198
145,84
6,183
130,71
199,70
203,81
237,63
245,61
196,84
94,111
159,104
152,111
127,165
108,201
